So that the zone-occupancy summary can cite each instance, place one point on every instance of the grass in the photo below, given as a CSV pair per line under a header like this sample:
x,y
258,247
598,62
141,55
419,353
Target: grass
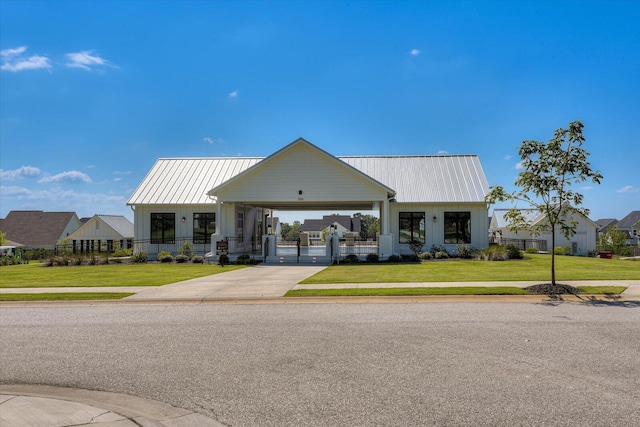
x,y
469,290
37,276
535,267
68,296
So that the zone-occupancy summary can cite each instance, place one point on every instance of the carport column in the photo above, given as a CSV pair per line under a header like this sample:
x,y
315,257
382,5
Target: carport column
x,y
385,242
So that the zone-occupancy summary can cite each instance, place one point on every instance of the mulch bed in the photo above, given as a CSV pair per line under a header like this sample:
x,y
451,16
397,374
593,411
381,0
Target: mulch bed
x,y
549,289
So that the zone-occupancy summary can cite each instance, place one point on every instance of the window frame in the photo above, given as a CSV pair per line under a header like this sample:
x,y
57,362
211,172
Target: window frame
x,y
203,237
420,216
460,220
167,221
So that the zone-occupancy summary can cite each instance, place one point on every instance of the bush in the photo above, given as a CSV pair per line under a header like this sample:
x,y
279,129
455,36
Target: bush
x,y
139,258
441,255
411,258
372,258
394,258
244,259
181,258
465,252
197,259
558,250
120,252
165,256
494,253
351,259
425,256
186,249
434,249
532,251
513,252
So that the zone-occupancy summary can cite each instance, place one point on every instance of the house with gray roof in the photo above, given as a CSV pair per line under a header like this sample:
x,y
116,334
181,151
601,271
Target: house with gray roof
x,y
38,229
435,200
103,233
630,224
342,224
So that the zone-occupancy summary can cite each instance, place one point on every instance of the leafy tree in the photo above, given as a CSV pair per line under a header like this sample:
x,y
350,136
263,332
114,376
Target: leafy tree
x,y
613,241
545,184
290,232
370,225
3,238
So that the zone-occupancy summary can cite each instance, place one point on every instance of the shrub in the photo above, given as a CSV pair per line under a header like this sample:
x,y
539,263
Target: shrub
x,y
465,252
197,259
350,259
558,250
434,249
416,247
223,259
394,258
181,258
244,259
165,256
531,250
425,256
186,249
441,255
139,258
372,258
78,259
120,252
411,258
513,252
494,253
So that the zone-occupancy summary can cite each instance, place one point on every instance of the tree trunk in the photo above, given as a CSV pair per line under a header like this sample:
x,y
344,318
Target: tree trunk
x,y
553,255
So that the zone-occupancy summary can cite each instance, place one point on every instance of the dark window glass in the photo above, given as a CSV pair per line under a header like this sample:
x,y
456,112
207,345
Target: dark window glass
x,y
204,225
163,228
412,227
457,227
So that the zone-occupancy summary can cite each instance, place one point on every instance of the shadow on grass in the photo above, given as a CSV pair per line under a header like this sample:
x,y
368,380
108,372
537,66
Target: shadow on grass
x,y
593,301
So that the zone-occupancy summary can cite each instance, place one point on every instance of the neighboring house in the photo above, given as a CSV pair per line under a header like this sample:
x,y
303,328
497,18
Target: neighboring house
x,y
630,225
437,200
38,229
103,233
582,242
604,225
319,227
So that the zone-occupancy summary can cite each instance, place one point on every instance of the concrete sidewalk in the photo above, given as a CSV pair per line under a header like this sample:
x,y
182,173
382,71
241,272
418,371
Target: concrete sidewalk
x,y
38,405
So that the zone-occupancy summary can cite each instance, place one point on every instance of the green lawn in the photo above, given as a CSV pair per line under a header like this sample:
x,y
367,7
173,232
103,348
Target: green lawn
x,y
535,267
69,296
467,290
36,276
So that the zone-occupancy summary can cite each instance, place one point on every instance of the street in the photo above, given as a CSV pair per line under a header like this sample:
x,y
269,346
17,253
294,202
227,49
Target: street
x,y
343,364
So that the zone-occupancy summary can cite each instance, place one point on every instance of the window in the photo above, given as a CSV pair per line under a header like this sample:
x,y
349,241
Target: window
x,y
411,227
240,225
204,225
163,227
457,227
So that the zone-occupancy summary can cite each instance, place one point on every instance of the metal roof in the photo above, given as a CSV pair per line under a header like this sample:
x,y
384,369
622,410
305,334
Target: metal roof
x,y
119,223
416,179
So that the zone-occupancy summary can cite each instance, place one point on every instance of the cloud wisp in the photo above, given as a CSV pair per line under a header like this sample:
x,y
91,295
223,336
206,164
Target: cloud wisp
x,y
628,189
21,172
68,177
414,52
210,140
14,60
87,60
234,94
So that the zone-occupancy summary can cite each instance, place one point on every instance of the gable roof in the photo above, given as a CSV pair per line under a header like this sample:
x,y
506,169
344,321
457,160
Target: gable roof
x,y
350,223
117,223
629,220
605,222
532,216
414,179
37,228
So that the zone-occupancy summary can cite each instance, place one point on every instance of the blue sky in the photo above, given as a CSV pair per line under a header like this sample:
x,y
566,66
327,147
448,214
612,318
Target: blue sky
x,y
92,93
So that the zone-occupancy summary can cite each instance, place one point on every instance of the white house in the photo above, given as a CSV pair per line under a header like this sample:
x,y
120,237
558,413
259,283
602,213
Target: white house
x,y
103,233
581,243
437,200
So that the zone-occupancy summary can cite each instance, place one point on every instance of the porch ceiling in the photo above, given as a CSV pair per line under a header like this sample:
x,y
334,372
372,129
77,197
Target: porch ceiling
x,y
312,206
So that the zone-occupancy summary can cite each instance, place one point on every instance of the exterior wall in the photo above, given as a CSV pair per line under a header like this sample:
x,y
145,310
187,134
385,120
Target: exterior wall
x,y
184,231
435,229
103,232
303,169
72,226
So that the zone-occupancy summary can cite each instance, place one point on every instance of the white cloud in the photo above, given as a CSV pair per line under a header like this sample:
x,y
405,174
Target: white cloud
x,y
519,165
21,172
13,190
414,52
443,152
69,176
117,179
86,60
628,189
13,60
122,172
210,140
234,94
587,188
507,157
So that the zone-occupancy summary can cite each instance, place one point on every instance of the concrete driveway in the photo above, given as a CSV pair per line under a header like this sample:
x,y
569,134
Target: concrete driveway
x,y
260,281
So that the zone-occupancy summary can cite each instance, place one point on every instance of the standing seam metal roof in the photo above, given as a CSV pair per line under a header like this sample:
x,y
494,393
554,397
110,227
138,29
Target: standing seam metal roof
x,y
416,179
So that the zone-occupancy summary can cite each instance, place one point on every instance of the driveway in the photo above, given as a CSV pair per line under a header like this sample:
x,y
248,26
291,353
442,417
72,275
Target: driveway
x,y
260,281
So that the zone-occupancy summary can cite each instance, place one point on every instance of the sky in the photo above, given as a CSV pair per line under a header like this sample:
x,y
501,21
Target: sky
x,y
93,93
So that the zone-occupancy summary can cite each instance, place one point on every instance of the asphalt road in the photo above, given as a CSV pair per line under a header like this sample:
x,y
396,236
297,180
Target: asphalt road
x,y
343,364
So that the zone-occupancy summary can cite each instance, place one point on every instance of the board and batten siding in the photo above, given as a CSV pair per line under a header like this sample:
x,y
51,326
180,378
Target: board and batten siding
x,y
319,178
435,229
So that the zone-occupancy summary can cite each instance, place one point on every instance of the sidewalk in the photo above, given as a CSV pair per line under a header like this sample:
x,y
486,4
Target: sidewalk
x,y
37,405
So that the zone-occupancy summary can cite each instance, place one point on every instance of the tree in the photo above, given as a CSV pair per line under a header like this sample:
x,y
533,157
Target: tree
x,y
290,232
3,238
613,241
370,225
545,184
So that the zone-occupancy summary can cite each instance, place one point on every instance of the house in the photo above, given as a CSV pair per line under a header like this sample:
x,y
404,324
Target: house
x,y
604,225
630,224
317,228
38,229
436,200
103,233
582,242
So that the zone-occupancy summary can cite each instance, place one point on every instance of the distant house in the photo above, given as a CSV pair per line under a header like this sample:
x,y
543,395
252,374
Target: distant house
x,y
341,223
103,233
604,225
38,229
630,225
581,243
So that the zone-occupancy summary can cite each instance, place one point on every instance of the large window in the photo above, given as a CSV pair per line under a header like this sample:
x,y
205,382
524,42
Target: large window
x,y
412,227
163,228
204,225
457,227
